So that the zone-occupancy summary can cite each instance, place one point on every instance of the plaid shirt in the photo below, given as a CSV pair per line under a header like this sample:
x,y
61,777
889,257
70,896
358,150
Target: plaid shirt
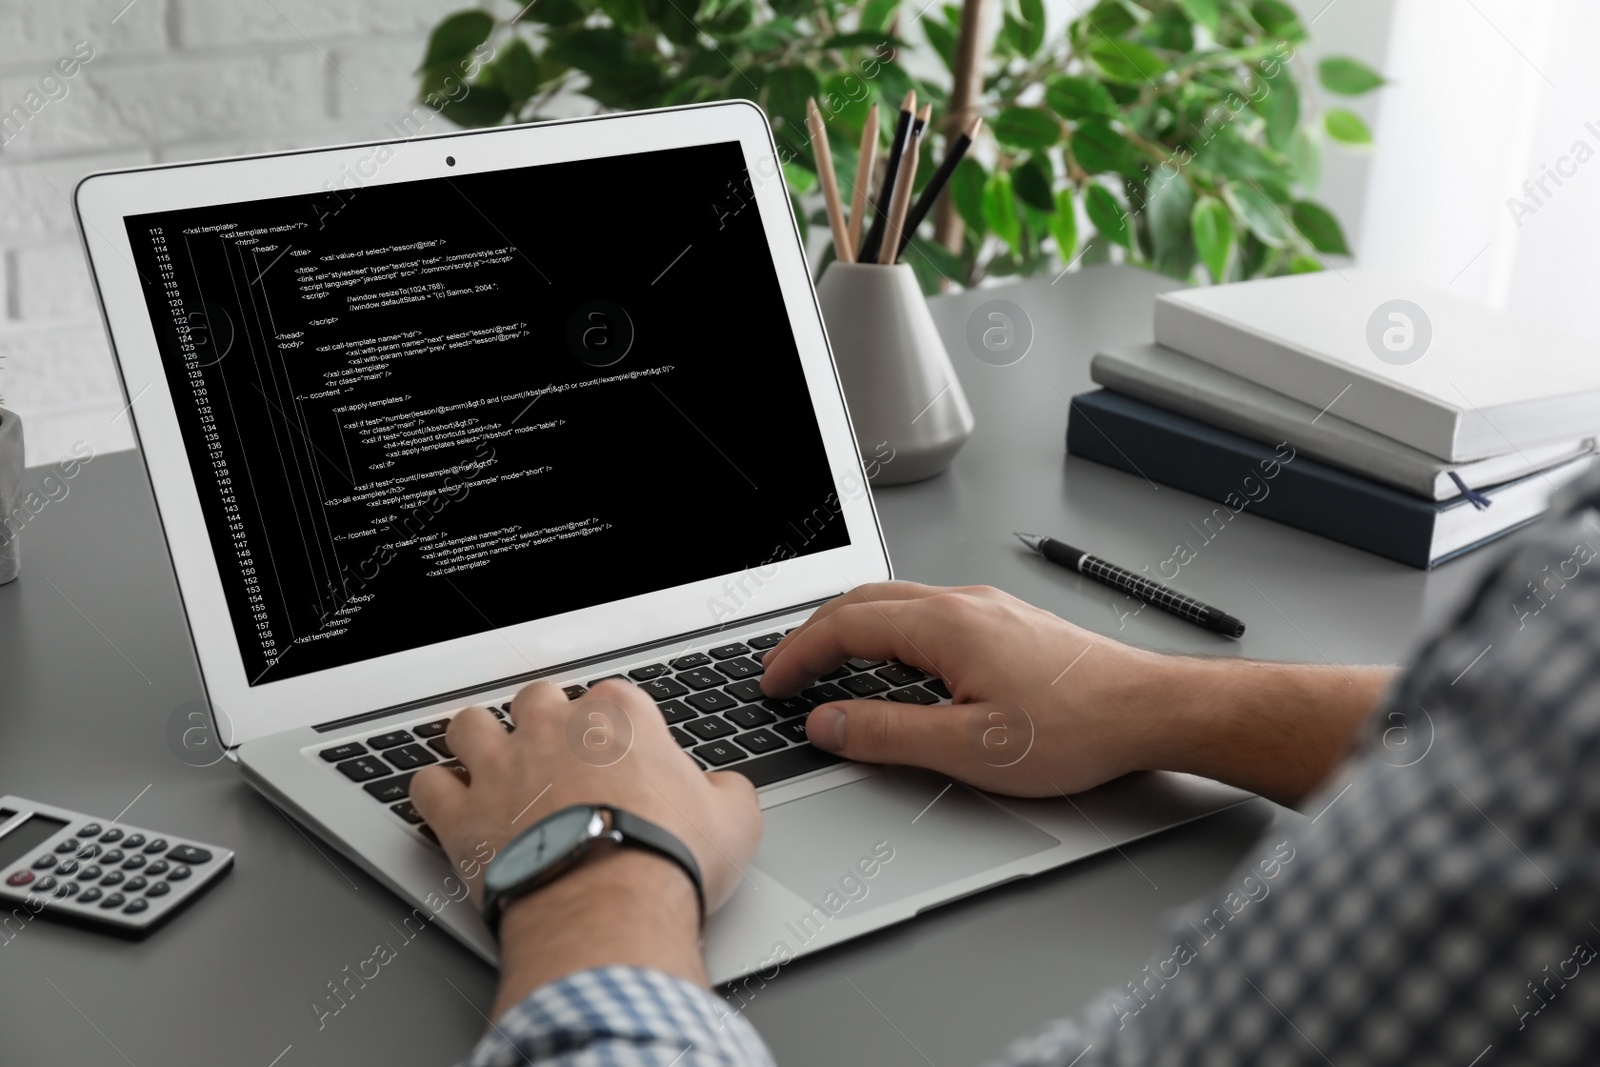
x,y
1443,907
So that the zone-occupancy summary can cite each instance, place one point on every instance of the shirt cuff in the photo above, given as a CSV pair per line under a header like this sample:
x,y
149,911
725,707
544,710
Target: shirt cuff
x,y
620,1015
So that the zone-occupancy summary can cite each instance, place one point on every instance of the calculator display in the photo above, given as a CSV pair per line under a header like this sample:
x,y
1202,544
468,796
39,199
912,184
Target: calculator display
x,y
25,838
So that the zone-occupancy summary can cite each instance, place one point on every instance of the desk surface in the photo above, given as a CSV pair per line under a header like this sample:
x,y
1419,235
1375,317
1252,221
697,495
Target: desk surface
x,y
94,662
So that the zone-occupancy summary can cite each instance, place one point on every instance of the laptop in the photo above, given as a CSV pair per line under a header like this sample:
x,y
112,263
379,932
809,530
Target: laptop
x,y
428,419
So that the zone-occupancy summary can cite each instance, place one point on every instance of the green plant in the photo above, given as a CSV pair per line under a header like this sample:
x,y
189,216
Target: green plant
x,y
1180,130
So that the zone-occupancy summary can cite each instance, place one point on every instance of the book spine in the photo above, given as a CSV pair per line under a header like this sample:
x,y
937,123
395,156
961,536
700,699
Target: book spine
x,y
1242,476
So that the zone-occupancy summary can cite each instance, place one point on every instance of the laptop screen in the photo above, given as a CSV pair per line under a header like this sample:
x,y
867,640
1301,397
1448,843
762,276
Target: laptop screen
x,y
424,410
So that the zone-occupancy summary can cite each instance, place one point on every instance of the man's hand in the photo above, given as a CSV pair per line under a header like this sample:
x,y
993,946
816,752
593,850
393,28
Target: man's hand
x,y
1045,707
623,906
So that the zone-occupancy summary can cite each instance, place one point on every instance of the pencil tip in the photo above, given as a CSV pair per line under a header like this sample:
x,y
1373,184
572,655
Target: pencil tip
x,y
925,114
910,101
977,124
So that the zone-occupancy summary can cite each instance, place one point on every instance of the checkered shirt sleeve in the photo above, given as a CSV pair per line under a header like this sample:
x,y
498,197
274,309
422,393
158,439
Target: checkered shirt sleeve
x,y
620,1017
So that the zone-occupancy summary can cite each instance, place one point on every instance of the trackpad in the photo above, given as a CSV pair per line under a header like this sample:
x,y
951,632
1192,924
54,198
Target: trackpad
x,y
913,830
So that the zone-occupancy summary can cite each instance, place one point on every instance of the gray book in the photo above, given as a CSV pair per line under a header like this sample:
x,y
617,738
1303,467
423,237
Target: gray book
x,y
1169,379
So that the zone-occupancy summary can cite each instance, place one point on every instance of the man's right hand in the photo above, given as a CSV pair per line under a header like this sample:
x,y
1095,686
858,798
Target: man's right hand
x,y
1043,707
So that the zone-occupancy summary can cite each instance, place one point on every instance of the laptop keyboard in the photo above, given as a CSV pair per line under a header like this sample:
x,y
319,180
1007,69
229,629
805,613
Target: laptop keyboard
x,y
711,700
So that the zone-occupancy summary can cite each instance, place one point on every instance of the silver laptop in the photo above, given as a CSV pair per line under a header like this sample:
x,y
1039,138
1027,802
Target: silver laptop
x,y
429,419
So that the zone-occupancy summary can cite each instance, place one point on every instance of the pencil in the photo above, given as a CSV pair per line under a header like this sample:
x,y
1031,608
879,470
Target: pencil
x,y
902,190
936,184
830,184
880,213
868,160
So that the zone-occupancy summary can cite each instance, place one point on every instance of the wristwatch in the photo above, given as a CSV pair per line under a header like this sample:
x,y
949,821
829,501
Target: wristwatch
x,y
559,842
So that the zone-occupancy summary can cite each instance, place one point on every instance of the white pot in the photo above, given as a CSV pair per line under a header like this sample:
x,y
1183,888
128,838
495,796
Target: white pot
x,y
910,414
10,492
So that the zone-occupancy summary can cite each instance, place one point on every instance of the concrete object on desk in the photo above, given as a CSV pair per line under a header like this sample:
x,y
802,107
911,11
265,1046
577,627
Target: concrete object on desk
x,y
904,398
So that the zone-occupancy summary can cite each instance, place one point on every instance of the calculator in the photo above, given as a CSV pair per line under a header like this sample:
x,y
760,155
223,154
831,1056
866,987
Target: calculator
x,y
67,865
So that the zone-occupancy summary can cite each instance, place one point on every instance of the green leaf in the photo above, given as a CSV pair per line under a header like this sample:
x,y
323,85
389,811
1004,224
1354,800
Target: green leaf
x,y
456,37
484,105
1213,234
1346,126
1259,213
1202,12
1026,127
1064,225
1169,29
1110,18
516,70
1347,76
877,13
1306,157
1034,26
1110,220
966,192
801,180
618,77
787,90
875,38
1099,149
1000,210
1281,108
626,14
943,40
943,262
675,18
1317,224
1032,181
1074,97
1167,212
1124,61
1304,265
1278,19
555,12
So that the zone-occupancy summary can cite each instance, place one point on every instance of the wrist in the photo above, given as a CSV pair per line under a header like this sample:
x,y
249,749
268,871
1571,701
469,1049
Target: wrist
x,y
619,906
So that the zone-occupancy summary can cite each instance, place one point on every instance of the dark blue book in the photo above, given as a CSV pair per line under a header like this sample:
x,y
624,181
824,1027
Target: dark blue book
x,y
1276,483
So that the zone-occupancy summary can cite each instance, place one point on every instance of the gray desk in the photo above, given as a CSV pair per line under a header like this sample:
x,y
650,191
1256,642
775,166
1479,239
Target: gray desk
x,y
93,660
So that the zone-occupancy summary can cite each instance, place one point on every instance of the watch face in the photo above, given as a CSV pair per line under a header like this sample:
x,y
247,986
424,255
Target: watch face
x,y
552,839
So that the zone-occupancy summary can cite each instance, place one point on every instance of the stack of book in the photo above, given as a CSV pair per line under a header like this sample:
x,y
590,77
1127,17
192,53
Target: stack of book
x,y
1370,410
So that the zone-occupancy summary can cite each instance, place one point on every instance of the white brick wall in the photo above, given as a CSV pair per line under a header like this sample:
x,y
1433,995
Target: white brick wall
x,y
170,80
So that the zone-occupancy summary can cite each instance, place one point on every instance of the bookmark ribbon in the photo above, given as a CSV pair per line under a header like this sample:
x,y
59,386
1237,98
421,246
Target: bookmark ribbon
x,y
1477,499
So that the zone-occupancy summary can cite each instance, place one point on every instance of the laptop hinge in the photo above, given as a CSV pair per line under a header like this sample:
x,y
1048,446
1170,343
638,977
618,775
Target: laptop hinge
x,y
560,668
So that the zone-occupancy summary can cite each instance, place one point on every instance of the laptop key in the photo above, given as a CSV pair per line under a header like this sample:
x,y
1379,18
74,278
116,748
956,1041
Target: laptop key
x,y
913,694
729,651
390,789
900,674
644,674
792,761
407,811
683,739
573,691
793,730
860,664
864,685
740,667
835,674
342,752
759,742
765,641
710,728
360,769
410,757
700,678
390,740
664,688
749,715
676,711
937,686
720,753
441,746
436,728
689,662
748,690
711,700
787,708
822,694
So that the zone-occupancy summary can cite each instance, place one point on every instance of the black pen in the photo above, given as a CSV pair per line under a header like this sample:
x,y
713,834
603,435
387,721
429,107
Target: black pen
x,y
1136,586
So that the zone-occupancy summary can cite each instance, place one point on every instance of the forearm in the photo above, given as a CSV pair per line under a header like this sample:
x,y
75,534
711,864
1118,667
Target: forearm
x,y
1276,729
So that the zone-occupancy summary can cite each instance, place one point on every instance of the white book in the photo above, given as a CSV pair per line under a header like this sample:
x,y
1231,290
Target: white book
x,y
1453,378
1169,379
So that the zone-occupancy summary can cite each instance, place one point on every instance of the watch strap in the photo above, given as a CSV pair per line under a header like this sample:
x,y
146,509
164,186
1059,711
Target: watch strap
x,y
646,834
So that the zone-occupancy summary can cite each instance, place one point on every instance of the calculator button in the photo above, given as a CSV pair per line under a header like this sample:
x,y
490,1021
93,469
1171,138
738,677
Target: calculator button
x,y
90,873
89,830
188,854
115,900
113,878
361,769
45,884
111,835
179,873
407,811
133,863
160,889
158,845
112,857
435,728
89,851
67,889
158,867
136,906
67,846
90,895
134,841
135,884
20,878
343,752
66,867
44,861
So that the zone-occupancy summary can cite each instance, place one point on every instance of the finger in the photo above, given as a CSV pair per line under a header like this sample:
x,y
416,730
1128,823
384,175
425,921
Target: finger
x,y
881,731
903,630
476,737
532,699
876,592
437,795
